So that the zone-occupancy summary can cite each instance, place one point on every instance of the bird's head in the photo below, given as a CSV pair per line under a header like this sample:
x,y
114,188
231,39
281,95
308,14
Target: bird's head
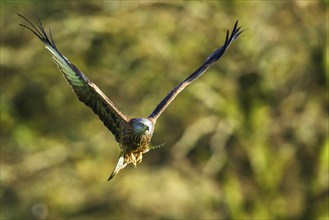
x,y
143,126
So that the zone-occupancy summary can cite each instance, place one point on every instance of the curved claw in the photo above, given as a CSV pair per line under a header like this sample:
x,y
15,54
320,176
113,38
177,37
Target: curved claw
x,y
120,165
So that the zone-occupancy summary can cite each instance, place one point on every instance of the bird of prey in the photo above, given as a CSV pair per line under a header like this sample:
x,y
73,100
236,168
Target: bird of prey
x,y
133,134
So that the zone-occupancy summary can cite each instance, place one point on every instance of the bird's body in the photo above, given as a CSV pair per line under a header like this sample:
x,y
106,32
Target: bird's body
x,y
133,134
135,139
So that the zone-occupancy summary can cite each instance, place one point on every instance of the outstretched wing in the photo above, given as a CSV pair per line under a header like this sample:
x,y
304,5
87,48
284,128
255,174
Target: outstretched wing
x,y
205,66
86,91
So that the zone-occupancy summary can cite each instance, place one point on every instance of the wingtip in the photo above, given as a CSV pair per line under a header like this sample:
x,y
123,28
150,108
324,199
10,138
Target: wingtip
x,y
236,24
238,29
20,15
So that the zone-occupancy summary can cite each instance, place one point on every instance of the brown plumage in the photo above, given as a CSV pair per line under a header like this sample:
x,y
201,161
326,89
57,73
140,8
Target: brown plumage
x,y
132,134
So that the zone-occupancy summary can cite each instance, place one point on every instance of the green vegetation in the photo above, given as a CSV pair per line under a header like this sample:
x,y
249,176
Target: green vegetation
x,y
248,140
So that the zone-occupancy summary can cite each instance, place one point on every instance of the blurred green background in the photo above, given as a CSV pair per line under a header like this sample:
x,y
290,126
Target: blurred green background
x,y
249,139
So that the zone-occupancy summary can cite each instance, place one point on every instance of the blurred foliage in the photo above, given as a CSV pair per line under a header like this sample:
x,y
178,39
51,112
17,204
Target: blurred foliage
x,y
249,139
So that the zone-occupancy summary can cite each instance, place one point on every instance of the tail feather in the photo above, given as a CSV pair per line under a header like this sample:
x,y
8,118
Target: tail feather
x,y
120,165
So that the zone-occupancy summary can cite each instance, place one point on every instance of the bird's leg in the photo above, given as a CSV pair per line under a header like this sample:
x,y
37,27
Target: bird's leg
x,y
133,158
139,157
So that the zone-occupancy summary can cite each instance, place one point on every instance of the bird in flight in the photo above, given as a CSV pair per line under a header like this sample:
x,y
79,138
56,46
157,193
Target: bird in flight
x,y
133,134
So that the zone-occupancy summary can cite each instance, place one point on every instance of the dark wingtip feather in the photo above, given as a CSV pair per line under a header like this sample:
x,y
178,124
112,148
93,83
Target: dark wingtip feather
x,y
39,31
235,33
228,40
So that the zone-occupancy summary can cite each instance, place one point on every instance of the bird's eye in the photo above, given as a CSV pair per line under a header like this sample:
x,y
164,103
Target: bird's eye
x,y
141,124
